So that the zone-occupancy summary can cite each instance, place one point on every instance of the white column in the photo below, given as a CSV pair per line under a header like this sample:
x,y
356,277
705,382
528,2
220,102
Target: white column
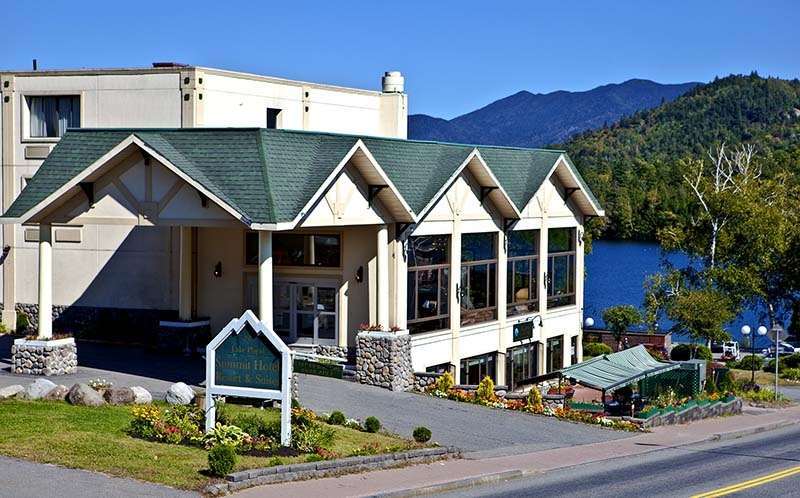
x,y
502,278
185,274
398,312
455,300
265,278
45,281
382,296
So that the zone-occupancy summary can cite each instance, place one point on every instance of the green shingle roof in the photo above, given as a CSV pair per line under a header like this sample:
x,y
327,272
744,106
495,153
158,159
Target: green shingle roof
x,y
268,176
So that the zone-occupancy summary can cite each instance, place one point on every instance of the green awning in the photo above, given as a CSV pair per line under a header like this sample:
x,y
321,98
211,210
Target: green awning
x,y
610,371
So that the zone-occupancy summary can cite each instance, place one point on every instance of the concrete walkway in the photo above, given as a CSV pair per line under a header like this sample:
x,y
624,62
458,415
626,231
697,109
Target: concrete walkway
x,y
450,475
23,479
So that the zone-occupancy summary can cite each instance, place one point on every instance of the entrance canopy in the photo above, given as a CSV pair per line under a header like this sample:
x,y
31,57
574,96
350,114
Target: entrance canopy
x,y
610,371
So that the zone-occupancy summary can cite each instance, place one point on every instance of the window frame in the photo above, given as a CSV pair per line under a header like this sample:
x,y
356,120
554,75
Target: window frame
x,y
533,279
472,316
247,263
415,271
567,298
26,116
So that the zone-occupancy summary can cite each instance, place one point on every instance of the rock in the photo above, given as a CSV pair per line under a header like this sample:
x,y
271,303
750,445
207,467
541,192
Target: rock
x,y
82,394
141,396
38,388
11,391
58,393
179,394
119,396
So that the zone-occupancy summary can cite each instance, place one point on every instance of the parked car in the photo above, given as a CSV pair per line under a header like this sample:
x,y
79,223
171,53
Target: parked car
x,y
784,348
725,351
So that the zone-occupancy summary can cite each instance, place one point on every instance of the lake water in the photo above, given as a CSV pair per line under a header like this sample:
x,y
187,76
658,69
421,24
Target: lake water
x,y
615,274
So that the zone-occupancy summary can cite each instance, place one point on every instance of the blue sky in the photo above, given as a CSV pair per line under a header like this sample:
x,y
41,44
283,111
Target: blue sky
x,y
456,56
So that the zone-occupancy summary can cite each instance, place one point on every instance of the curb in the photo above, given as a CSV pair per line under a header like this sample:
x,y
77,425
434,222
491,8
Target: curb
x,y
749,431
459,484
470,482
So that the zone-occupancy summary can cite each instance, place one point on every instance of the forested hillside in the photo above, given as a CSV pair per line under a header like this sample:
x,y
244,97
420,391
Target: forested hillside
x,y
635,166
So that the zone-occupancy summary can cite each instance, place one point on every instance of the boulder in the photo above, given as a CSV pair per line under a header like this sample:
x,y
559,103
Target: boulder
x,y
141,396
38,388
11,391
82,394
58,393
119,396
179,394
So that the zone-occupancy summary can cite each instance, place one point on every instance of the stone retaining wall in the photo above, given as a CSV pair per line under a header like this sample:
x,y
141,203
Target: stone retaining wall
x,y
424,380
60,357
553,401
126,325
384,359
334,351
325,468
691,414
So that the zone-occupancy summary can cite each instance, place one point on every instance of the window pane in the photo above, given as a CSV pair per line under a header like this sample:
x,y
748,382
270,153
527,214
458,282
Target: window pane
x,y
428,292
251,248
492,283
428,250
305,324
521,282
50,116
326,299
411,307
476,291
305,298
478,246
326,251
327,326
444,290
523,243
561,239
560,280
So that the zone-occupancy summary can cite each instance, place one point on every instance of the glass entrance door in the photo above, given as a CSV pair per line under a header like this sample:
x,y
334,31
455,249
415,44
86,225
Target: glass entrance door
x,y
306,312
522,363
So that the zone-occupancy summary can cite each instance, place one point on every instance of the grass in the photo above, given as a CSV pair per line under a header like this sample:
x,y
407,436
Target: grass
x,y
96,439
766,379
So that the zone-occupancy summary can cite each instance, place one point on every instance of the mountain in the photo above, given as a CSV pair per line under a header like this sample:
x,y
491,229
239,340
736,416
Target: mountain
x,y
635,166
532,120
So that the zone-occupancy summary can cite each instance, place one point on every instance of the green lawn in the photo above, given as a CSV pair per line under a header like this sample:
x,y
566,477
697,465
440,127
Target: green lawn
x,y
95,439
763,378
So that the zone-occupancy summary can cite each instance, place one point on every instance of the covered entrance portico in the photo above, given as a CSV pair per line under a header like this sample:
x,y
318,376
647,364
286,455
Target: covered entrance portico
x,y
313,279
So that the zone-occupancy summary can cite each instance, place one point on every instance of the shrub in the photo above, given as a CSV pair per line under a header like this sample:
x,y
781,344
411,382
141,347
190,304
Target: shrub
x,y
535,399
683,352
749,362
445,382
422,434
226,435
22,322
791,374
595,349
485,391
337,418
255,425
792,361
309,438
221,460
372,424
769,367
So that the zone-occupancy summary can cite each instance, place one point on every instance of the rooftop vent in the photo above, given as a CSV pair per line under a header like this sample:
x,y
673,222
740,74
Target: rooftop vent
x,y
393,82
169,64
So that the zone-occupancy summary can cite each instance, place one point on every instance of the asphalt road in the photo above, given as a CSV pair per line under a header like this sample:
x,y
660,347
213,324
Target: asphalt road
x,y
673,472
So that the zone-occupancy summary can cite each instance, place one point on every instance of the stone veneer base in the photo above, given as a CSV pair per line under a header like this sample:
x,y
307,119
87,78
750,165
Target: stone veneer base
x,y
43,357
384,359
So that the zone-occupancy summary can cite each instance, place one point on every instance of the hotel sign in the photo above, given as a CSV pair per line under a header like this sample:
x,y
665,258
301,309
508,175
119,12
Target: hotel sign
x,y
248,360
522,331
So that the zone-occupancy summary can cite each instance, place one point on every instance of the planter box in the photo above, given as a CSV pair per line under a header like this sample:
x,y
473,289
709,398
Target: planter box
x,y
42,357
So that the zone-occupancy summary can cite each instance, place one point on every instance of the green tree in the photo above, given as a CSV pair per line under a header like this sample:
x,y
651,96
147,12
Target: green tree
x,y
619,319
702,313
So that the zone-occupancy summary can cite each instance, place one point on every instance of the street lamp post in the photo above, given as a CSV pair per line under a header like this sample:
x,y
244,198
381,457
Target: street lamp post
x,y
777,330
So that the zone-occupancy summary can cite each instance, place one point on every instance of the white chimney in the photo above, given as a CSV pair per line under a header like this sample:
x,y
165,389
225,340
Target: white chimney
x,y
393,82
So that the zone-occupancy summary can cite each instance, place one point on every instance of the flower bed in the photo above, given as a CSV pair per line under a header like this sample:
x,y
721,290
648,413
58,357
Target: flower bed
x,y
485,396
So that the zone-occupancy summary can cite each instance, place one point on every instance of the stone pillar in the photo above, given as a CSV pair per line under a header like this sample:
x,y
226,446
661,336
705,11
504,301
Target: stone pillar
x,y
383,277
384,359
185,274
45,281
265,278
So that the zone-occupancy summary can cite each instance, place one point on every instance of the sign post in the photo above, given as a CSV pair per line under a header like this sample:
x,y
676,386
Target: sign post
x,y
248,360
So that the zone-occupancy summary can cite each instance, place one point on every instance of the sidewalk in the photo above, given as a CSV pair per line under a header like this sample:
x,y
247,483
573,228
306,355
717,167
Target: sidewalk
x,y
453,474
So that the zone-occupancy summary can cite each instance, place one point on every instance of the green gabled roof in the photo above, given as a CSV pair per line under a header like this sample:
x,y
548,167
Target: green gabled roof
x,y
269,176
520,171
